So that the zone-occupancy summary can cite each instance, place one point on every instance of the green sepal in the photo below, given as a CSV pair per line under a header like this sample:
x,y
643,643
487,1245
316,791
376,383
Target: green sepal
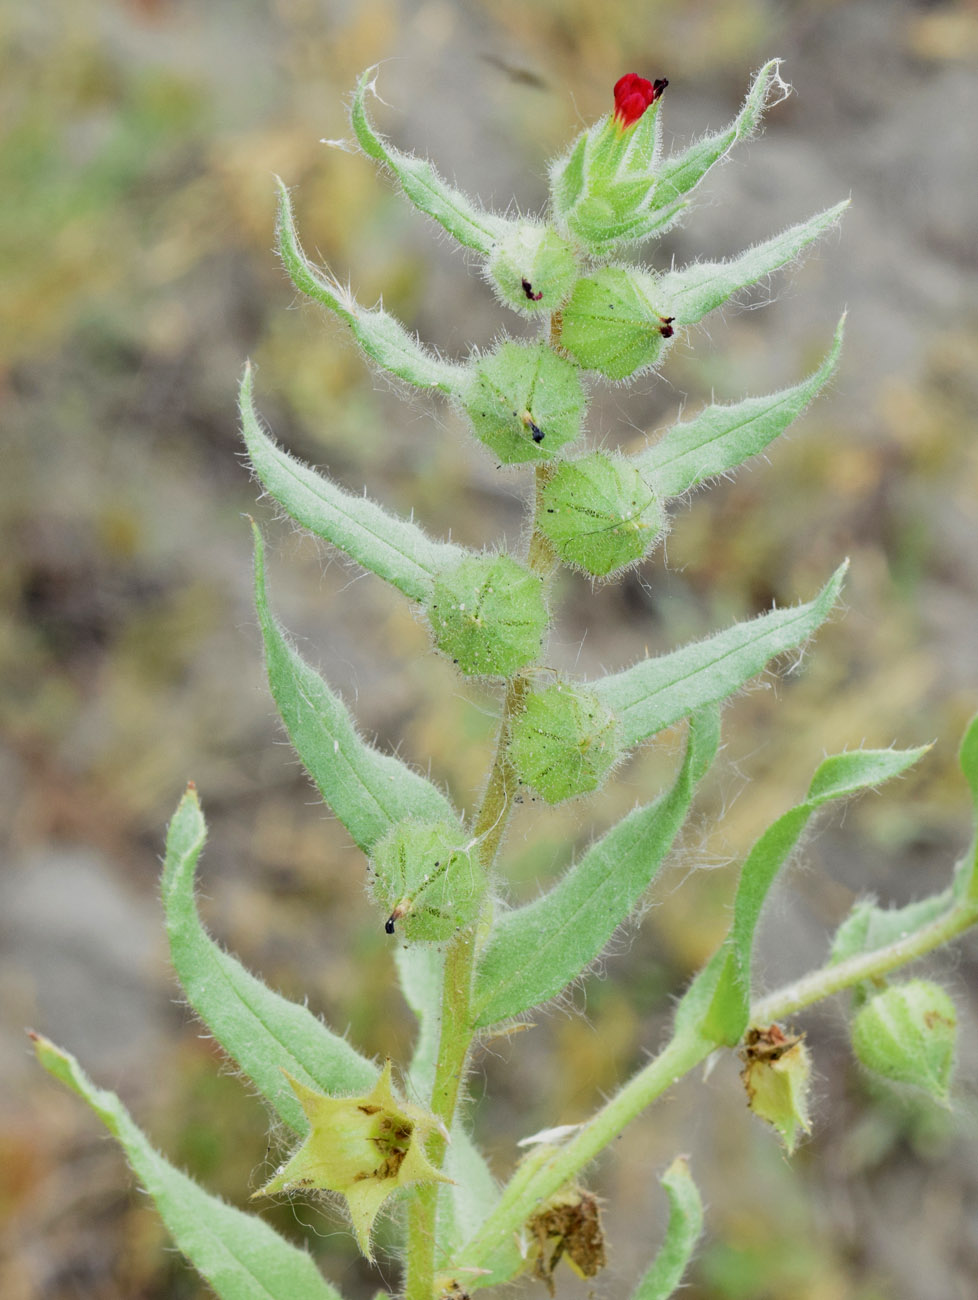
x,y
721,437
395,549
366,1148
533,269
654,693
684,1230
777,1077
564,742
614,322
908,1034
680,173
838,777
425,879
430,194
600,514
262,1031
488,614
368,791
535,951
966,880
688,295
525,402
382,336
238,1254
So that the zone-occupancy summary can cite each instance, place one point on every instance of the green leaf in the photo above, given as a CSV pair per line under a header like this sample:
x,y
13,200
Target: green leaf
x,y
393,548
868,927
682,172
722,437
838,777
967,879
684,1231
381,336
261,1030
368,791
688,295
654,693
455,213
240,1256
535,951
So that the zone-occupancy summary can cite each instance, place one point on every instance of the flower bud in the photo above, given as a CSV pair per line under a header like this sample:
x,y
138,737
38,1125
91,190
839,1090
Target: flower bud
x,y
599,513
365,1148
777,1075
488,613
525,402
612,323
532,268
907,1033
423,877
602,188
564,742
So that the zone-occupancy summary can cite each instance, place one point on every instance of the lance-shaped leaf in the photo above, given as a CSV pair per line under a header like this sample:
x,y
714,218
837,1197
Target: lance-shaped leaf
x,y
395,549
535,951
722,437
461,218
654,693
838,777
264,1032
688,295
380,335
240,1256
681,172
368,791
683,1232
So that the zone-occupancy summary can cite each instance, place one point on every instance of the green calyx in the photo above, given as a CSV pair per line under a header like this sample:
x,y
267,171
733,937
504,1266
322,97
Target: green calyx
x,y
614,324
907,1033
600,514
426,882
525,402
565,742
777,1077
533,269
488,614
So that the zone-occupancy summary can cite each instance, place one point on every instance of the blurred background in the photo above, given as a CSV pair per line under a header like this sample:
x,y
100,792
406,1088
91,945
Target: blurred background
x,y
139,139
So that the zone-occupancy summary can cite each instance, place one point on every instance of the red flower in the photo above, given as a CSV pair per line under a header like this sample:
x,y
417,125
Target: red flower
x,y
633,95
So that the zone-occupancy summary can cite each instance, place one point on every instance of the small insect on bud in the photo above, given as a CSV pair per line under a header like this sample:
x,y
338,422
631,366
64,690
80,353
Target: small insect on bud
x,y
425,880
777,1076
564,742
518,394
907,1033
633,95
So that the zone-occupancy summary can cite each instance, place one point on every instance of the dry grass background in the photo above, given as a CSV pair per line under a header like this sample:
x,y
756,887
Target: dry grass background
x,y
138,142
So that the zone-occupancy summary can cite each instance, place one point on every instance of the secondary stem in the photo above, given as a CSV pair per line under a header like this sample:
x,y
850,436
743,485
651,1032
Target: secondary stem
x,y
491,1248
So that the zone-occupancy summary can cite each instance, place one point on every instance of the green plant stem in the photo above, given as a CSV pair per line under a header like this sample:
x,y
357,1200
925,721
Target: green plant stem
x,y
683,1053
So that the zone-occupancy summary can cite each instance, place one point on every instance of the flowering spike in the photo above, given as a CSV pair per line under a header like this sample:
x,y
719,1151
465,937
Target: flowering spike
x,y
633,95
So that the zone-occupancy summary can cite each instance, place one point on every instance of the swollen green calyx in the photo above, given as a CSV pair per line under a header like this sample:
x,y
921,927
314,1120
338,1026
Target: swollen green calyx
x,y
564,742
426,882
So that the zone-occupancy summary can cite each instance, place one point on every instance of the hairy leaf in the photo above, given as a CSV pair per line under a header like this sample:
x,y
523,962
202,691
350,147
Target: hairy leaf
x,y
240,1256
838,777
966,882
688,295
455,213
380,335
368,791
654,693
679,174
868,926
264,1032
722,437
393,548
685,1228
535,951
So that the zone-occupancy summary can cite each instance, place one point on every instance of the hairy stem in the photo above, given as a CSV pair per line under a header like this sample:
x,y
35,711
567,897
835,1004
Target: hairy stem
x,y
491,1248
